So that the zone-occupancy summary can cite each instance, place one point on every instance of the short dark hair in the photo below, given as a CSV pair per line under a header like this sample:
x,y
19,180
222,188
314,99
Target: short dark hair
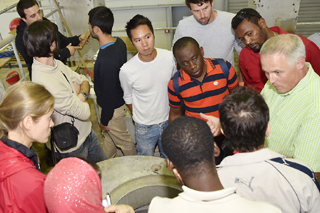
x,y
38,38
244,117
136,21
25,4
188,143
101,17
183,42
250,14
197,2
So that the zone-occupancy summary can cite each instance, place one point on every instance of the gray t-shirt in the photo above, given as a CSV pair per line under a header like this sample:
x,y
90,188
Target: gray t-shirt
x,y
315,38
217,38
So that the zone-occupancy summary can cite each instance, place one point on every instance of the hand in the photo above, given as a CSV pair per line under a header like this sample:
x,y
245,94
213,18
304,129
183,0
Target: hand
x,y
72,49
82,37
82,97
104,128
213,123
76,87
119,209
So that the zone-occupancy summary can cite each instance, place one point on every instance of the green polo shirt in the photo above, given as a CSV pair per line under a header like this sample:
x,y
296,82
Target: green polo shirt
x,y
295,120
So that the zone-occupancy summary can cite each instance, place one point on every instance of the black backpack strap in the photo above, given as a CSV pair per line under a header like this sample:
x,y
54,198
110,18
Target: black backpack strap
x,y
175,82
54,151
299,167
223,66
176,87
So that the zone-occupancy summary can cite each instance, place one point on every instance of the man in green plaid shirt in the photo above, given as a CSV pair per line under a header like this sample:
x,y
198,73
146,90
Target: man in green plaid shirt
x,y
292,93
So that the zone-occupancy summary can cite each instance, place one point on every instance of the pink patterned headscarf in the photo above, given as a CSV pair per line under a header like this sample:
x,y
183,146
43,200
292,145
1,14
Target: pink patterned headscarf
x,y
73,186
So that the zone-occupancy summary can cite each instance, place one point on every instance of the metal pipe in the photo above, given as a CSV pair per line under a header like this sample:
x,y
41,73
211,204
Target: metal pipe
x,y
41,8
146,6
18,59
7,40
309,23
51,13
162,28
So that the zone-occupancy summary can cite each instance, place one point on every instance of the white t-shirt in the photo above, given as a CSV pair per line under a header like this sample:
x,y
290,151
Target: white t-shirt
x,y
145,86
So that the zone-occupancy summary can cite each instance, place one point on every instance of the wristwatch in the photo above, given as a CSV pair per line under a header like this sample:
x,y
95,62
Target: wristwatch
x,y
84,94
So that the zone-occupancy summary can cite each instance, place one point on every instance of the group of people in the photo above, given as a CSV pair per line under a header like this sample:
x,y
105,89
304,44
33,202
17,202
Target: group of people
x,y
284,117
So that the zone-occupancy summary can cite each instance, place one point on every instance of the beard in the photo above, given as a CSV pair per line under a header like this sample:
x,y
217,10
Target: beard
x,y
207,21
94,36
256,47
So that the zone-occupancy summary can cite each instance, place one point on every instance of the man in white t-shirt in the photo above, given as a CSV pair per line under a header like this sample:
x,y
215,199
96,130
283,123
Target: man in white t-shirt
x,y
144,80
211,29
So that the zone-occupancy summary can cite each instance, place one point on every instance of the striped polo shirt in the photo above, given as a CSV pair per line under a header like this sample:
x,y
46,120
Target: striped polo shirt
x,y
295,120
203,97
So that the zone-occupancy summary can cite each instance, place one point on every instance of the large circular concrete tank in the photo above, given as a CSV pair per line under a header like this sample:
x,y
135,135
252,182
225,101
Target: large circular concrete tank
x,y
135,180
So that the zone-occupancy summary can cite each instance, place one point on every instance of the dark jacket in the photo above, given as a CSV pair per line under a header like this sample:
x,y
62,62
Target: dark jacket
x,y
63,41
106,78
21,183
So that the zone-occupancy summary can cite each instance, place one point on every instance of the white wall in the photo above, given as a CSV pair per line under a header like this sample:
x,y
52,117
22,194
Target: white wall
x,y
279,13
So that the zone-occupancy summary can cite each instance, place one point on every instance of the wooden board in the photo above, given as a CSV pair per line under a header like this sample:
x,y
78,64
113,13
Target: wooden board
x,y
130,47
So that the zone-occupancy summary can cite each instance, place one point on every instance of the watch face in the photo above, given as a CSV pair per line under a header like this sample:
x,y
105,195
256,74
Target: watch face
x,y
84,94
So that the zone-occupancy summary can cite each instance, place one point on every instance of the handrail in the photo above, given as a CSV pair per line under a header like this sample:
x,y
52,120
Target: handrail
x,y
146,6
9,7
7,40
308,23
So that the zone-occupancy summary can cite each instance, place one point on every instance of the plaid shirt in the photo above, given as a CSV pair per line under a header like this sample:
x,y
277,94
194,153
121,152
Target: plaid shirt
x,y
295,120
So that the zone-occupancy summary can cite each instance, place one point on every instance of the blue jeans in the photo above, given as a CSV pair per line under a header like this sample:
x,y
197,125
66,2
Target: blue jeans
x,y
89,150
147,137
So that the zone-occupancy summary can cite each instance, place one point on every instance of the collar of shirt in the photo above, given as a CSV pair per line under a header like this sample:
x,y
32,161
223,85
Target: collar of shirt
x,y
278,30
23,149
210,68
193,195
303,83
108,44
252,157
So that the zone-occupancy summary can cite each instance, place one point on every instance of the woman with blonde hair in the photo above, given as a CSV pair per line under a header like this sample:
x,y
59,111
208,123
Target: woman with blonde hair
x,y
25,117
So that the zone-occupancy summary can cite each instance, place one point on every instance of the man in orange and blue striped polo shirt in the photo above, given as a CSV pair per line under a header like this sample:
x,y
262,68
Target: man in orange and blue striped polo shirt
x,y
202,82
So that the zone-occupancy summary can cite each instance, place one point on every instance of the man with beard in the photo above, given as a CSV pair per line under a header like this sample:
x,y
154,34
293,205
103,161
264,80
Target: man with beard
x,y
112,55
211,29
252,30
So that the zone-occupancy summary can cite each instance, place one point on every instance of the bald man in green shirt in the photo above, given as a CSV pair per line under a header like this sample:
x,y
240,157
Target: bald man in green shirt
x,y
292,93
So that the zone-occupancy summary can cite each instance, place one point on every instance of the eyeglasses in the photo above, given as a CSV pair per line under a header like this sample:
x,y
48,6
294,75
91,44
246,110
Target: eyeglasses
x,y
242,14
247,13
